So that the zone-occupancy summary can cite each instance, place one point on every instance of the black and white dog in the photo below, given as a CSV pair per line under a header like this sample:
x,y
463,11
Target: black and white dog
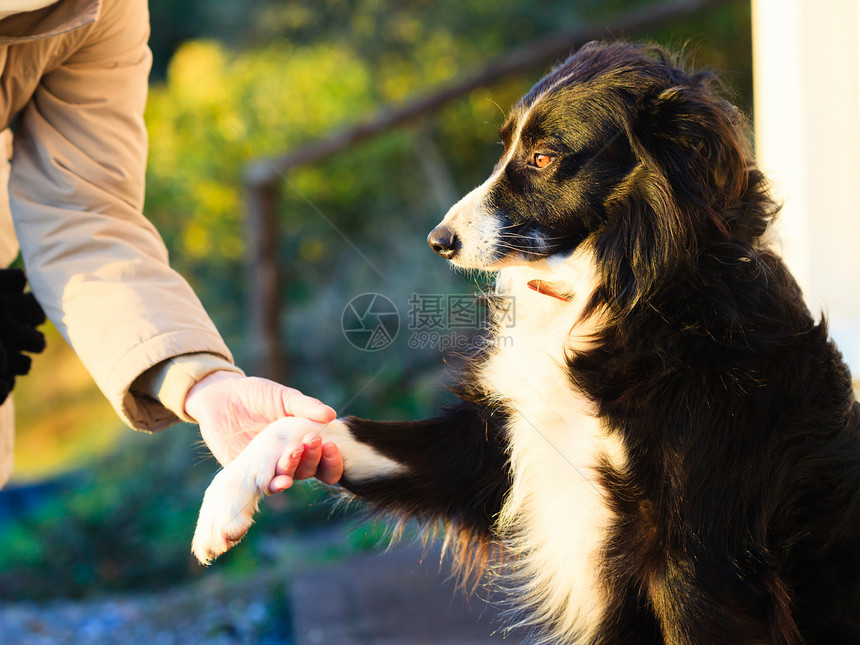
x,y
667,450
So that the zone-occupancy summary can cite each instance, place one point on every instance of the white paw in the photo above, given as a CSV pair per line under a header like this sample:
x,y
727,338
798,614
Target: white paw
x,y
233,496
225,515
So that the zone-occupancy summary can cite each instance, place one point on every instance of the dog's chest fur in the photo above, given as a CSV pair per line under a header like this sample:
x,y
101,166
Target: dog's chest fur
x,y
556,517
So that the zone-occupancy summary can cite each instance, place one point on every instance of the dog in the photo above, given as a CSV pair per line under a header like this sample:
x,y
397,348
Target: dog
x,y
667,450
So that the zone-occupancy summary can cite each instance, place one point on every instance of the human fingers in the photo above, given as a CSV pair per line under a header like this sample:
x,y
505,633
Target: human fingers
x,y
286,468
331,465
310,459
299,405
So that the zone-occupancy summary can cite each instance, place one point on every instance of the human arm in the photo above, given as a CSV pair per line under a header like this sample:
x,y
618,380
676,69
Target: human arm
x,y
96,264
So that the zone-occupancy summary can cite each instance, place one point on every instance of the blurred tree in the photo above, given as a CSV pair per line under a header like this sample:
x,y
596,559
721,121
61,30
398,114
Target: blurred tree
x,y
176,21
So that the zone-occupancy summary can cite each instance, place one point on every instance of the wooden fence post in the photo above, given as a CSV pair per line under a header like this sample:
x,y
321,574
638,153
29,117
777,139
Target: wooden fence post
x,y
265,339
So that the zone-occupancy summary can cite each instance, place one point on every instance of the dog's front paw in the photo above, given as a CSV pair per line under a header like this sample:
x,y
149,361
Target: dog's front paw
x,y
225,516
231,500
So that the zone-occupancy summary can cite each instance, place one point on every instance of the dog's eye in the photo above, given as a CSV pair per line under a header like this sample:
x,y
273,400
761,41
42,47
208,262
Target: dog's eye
x,y
540,160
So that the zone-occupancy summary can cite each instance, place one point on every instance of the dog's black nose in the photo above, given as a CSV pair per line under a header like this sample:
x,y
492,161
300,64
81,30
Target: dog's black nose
x,y
444,241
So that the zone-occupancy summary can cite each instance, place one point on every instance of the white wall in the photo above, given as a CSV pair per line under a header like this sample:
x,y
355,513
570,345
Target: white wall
x,y
806,60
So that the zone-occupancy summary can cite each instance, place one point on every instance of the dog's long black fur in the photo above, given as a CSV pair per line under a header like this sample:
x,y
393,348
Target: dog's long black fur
x,y
736,518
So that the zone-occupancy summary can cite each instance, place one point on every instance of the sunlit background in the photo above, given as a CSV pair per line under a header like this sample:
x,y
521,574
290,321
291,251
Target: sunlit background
x,y
96,510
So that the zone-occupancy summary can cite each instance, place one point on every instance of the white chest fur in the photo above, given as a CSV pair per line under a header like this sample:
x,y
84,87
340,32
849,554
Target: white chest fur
x,y
556,516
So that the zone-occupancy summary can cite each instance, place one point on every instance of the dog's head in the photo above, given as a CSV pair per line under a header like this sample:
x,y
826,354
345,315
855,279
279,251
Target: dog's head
x,y
620,147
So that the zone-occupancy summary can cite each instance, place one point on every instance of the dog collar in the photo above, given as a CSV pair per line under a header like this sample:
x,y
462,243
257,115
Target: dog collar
x,y
545,288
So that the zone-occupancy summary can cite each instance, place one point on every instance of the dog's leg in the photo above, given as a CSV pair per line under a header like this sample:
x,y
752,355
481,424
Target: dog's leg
x,y
451,467
455,467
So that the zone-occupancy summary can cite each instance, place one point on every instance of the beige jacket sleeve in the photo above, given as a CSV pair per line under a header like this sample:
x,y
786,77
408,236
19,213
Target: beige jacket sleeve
x,y
95,263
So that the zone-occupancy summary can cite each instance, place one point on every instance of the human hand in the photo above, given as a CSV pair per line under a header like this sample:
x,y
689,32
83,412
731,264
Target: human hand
x,y
231,409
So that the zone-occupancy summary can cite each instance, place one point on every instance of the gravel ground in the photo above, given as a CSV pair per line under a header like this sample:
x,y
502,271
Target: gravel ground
x,y
215,610
207,613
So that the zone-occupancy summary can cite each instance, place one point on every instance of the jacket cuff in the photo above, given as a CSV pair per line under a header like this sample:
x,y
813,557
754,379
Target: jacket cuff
x,y
168,382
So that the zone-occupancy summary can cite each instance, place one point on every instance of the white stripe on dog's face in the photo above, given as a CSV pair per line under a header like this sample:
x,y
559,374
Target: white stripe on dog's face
x,y
476,227
473,221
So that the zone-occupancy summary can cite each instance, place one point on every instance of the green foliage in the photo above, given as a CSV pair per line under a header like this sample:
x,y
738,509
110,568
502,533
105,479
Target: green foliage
x,y
125,522
177,21
219,110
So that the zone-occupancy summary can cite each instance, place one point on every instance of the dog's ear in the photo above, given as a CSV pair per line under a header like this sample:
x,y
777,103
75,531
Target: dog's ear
x,y
645,240
694,139
690,181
